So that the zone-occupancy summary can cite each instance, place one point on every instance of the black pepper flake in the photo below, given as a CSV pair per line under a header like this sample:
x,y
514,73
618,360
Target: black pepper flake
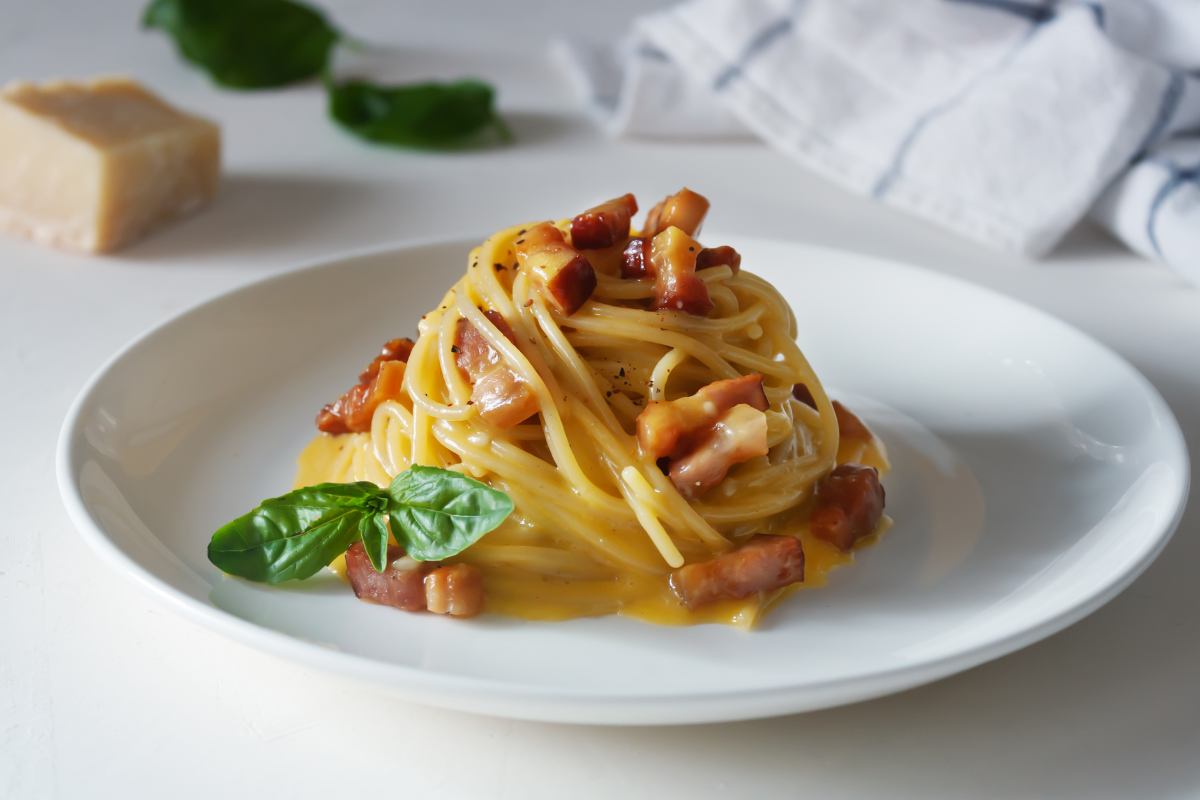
x,y
454,348
521,232
470,402
621,374
691,248
520,241
498,267
608,393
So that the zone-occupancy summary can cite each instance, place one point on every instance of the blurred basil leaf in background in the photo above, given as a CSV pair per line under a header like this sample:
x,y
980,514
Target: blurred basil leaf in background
x,y
247,44
428,115
255,44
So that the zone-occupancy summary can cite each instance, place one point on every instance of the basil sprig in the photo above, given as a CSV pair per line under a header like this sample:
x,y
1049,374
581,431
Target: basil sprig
x,y
432,513
430,115
247,44
255,44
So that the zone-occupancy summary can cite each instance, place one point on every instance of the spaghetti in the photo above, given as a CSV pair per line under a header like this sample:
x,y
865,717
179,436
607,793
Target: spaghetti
x,y
622,425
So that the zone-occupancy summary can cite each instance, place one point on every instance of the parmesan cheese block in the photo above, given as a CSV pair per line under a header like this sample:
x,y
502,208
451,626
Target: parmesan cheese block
x,y
93,166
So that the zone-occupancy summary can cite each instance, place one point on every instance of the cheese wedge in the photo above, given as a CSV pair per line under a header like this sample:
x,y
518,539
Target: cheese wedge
x,y
93,166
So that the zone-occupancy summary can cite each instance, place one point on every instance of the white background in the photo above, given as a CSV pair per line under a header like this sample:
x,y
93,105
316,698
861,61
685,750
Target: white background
x,y
105,694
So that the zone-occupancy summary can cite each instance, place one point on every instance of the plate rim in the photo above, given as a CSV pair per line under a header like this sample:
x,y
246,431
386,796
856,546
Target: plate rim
x,y
528,702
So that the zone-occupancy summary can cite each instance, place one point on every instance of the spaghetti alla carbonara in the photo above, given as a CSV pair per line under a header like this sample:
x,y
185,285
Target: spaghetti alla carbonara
x,y
669,452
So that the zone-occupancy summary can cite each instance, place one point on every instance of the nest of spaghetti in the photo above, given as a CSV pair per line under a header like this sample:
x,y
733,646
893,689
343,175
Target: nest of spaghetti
x,y
669,451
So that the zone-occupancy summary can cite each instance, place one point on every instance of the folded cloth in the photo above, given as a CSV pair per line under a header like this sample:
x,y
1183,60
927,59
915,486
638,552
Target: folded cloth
x,y
1004,120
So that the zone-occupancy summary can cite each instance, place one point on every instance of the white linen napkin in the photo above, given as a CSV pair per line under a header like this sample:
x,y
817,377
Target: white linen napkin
x,y
1005,120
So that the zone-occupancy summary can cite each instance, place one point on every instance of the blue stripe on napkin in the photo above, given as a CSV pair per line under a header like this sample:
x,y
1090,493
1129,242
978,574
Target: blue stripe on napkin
x,y
889,175
1034,12
651,53
1177,176
1097,12
760,42
1167,107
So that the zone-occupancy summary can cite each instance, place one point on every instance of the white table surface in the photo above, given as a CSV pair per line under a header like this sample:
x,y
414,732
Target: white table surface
x,y
104,693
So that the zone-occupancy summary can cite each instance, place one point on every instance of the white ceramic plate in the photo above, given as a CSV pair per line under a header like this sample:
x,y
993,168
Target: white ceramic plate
x,y
1036,474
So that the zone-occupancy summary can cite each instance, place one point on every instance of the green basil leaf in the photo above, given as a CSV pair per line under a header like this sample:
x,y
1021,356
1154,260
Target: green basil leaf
x,y
294,536
429,115
247,44
438,513
373,530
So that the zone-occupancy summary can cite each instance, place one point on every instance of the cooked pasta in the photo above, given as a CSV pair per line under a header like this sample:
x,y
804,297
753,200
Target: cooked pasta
x,y
560,407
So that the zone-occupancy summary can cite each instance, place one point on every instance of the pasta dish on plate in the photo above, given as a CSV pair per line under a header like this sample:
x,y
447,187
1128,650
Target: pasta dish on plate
x,y
595,419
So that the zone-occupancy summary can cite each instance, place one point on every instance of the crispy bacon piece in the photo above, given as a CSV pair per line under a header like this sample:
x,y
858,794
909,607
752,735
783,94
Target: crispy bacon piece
x,y
568,276
504,399
392,350
684,210
456,589
673,258
382,380
672,428
849,425
473,354
603,225
849,505
699,437
635,259
762,564
739,435
400,588
801,393
718,256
